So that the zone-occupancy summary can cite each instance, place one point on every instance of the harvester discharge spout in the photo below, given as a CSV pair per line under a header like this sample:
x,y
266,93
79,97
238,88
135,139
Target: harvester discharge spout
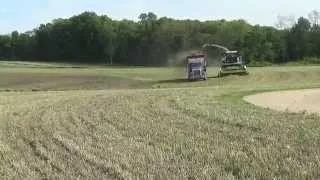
x,y
215,45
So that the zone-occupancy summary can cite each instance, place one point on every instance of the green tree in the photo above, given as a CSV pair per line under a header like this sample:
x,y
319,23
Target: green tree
x,y
92,38
299,38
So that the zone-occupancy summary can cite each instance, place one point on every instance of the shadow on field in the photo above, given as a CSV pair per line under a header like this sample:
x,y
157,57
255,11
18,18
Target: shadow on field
x,y
181,80
213,77
58,67
173,81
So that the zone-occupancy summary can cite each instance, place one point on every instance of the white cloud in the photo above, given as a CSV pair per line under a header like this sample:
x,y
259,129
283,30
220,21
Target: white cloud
x,y
3,10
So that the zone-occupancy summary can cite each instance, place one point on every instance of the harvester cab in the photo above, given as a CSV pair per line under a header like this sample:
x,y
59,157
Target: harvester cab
x,y
232,63
197,67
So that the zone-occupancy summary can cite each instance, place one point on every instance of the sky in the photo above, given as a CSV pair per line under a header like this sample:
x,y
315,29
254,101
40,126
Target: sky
x,y
24,15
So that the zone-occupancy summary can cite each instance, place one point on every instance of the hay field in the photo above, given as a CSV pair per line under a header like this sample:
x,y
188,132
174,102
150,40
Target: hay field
x,y
149,123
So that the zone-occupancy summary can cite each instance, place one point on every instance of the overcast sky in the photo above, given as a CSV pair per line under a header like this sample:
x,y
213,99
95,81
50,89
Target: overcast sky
x,y
23,15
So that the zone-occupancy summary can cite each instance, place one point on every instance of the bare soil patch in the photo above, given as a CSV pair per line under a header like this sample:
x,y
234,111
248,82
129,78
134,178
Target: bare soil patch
x,y
307,100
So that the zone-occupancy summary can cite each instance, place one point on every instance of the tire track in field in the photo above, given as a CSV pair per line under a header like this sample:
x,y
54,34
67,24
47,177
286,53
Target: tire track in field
x,y
39,149
102,166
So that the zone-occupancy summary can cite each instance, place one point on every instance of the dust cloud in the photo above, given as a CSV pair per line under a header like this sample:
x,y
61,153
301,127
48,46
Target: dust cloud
x,y
179,59
177,62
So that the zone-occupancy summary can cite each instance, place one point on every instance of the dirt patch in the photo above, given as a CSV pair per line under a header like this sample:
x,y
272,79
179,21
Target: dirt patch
x,y
307,100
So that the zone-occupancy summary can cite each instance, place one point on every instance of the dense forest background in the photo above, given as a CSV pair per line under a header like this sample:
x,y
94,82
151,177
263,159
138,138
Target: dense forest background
x,y
153,41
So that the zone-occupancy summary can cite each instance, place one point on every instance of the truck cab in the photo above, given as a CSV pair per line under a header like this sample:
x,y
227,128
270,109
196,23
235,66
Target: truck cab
x,y
196,67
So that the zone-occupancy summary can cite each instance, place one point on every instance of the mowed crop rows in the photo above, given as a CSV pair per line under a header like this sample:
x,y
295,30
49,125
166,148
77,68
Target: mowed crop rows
x,y
169,129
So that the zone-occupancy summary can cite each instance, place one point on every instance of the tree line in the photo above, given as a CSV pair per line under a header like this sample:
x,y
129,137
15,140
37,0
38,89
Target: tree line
x,y
151,41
